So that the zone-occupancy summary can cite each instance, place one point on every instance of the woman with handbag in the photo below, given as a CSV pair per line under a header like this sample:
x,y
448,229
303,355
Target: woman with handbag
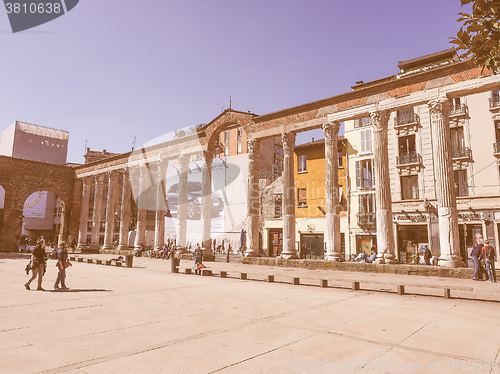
x,y
62,264
37,265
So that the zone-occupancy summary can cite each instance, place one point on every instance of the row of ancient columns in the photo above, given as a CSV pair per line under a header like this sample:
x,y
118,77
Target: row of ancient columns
x,y
144,178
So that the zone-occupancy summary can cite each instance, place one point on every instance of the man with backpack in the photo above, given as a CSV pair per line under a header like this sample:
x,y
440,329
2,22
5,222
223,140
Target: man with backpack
x,y
489,260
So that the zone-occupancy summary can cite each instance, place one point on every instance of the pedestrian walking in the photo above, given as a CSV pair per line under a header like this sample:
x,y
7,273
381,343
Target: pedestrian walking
x,y
489,260
427,255
38,265
475,256
62,264
198,260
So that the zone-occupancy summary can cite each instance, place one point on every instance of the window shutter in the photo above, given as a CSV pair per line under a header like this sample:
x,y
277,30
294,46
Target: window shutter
x,y
368,140
356,123
363,141
373,173
360,204
373,202
358,175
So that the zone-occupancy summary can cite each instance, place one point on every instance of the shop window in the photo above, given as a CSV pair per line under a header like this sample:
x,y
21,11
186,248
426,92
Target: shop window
x,y
409,187
461,187
301,163
301,197
366,141
364,174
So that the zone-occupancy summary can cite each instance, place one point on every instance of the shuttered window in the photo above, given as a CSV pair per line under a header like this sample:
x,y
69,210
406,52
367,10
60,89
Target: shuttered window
x,y
301,197
366,141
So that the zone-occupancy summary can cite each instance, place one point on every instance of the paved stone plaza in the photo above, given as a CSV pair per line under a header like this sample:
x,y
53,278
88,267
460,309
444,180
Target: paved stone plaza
x,y
147,320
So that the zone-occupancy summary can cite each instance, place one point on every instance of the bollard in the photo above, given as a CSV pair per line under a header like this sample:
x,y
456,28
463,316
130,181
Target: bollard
x,y
227,256
108,262
401,290
174,264
270,278
89,261
296,281
243,276
323,283
355,286
129,260
223,274
188,271
98,262
118,264
72,258
206,272
80,259
447,293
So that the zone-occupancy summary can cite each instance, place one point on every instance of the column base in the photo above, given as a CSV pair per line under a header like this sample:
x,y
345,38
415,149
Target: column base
x,y
94,246
289,256
208,254
123,247
105,246
335,257
451,262
81,246
252,252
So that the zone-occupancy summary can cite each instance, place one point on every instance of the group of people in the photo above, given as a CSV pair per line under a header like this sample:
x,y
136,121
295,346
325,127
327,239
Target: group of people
x,y
38,265
483,257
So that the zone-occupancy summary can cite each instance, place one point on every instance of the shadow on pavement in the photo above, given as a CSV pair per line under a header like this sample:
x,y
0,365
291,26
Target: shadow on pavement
x,y
82,290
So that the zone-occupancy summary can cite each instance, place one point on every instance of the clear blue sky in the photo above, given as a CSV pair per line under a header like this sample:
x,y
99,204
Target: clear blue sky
x,y
111,70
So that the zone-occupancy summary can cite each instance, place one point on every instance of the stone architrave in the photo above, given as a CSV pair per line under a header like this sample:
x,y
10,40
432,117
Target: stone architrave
x,y
333,243
445,189
182,201
142,202
110,210
206,205
84,213
96,217
253,199
125,211
160,204
289,250
383,201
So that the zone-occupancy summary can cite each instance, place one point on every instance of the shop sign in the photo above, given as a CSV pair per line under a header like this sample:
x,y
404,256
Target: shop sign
x,y
365,233
410,217
471,216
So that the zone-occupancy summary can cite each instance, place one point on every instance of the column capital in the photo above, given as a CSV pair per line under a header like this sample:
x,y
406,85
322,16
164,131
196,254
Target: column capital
x,y
86,181
208,156
253,146
330,129
380,119
99,178
288,139
438,107
184,160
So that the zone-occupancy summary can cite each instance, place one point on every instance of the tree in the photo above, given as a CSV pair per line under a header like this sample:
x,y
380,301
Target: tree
x,y
479,37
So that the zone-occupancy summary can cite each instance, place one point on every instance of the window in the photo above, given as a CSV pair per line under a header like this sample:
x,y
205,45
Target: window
x,y
361,122
239,148
407,145
301,163
457,138
278,205
364,174
461,187
239,134
301,197
409,187
226,137
404,116
341,162
226,150
366,141
367,203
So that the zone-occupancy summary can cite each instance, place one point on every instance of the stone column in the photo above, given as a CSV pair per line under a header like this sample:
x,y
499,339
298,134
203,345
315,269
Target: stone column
x,y
96,218
206,206
253,203
288,196
160,204
182,201
445,189
142,201
110,210
125,212
84,214
333,243
62,228
383,201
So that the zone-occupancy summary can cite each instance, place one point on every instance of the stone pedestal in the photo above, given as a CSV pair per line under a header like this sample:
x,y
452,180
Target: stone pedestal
x,y
445,189
333,243
385,232
253,203
289,250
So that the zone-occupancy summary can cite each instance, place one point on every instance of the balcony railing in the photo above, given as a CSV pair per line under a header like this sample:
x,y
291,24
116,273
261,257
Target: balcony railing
x,y
458,110
496,148
409,159
366,219
405,120
462,152
494,102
